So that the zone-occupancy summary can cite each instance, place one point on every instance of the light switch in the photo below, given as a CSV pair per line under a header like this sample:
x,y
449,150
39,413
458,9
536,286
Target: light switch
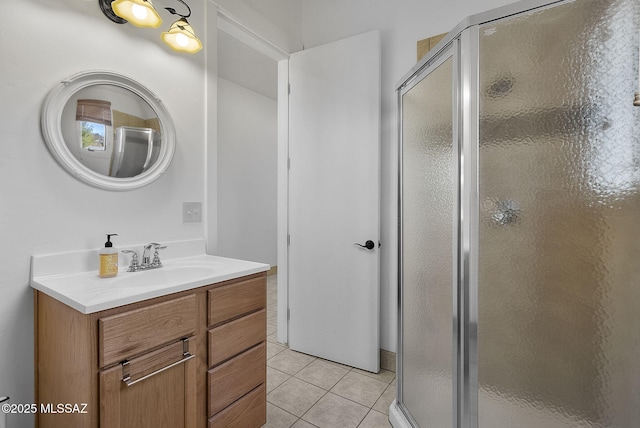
x,y
191,212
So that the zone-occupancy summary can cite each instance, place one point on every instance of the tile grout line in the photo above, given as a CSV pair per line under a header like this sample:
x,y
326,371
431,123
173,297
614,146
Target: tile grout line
x,y
294,376
313,405
351,369
326,391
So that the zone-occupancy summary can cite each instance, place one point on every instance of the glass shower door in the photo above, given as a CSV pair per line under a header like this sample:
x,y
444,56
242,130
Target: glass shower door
x,y
559,206
428,195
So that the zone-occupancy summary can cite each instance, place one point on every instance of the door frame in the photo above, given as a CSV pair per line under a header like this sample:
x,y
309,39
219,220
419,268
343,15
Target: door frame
x,y
282,318
228,23
233,26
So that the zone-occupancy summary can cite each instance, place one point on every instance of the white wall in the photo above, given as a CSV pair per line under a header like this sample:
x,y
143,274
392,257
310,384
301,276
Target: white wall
x,y
247,181
44,209
244,19
277,21
402,23
285,14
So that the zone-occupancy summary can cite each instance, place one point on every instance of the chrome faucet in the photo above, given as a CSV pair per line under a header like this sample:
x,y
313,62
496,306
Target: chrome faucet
x,y
147,262
156,263
134,266
146,254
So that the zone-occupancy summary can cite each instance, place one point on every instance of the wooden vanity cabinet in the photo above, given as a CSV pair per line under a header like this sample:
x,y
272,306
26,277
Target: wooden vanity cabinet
x,y
163,379
167,397
237,373
191,359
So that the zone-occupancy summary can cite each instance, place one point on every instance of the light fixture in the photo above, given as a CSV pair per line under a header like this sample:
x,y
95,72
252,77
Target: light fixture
x,y
138,12
181,36
105,6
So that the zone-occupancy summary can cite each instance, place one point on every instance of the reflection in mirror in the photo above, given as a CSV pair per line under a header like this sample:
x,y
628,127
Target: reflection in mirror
x,y
135,151
111,131
108,130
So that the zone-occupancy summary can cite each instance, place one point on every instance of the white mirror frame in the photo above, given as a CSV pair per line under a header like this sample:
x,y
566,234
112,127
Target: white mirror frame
x,y
52,129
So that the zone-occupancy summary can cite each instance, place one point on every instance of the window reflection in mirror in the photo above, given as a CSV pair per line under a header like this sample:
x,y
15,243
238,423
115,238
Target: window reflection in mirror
x,y
93,136
102,125
94,123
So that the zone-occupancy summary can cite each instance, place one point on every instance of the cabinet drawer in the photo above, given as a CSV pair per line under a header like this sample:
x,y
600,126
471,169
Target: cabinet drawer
x,y
236,336
248,412
233,379
128,334
234,300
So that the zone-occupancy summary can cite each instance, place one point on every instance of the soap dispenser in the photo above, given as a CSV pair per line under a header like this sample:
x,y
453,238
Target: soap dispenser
x,y
108,259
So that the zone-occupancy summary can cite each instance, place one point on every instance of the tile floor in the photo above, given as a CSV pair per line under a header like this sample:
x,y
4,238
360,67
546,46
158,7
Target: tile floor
x,y
305,391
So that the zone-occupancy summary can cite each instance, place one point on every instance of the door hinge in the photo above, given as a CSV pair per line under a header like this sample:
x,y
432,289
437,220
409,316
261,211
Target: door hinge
x,y
288,239
288,314
289,89
289,163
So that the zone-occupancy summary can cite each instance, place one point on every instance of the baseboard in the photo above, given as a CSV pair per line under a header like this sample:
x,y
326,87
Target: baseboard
x,y
387,360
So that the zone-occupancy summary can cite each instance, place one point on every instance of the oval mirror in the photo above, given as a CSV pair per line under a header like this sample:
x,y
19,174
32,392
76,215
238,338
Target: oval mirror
x,y
108,130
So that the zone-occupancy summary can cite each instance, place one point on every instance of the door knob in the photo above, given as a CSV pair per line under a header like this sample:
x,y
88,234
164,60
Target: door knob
x,y
369,245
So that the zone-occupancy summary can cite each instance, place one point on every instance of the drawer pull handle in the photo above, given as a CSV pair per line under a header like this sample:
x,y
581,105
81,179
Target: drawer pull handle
x,y
186,356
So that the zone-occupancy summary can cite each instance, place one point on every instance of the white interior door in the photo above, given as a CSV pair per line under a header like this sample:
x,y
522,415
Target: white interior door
x,y
334,198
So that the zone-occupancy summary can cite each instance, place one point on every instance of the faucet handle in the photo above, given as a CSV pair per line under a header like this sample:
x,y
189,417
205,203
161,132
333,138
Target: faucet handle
x,y
135,266
156,255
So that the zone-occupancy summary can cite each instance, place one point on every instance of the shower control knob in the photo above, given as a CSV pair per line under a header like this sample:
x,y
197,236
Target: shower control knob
x,y
369,245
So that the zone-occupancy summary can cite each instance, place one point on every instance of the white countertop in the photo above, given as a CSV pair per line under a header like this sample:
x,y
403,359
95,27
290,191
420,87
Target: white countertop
x,y
72,278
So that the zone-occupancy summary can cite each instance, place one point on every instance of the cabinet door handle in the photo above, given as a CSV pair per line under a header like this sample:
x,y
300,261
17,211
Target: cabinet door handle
x,y
186,356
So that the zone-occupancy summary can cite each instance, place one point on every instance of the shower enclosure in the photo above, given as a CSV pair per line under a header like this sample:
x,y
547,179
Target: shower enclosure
x,y
519,255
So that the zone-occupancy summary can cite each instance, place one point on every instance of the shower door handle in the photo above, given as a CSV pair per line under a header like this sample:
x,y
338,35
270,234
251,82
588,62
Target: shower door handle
x,y
369,245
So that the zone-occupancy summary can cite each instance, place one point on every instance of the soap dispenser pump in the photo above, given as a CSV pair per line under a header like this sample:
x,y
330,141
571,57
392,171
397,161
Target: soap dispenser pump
x,y
108,259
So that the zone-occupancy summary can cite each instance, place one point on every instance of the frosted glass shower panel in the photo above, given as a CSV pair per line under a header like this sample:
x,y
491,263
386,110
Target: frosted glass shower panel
x,y
559,204
428,183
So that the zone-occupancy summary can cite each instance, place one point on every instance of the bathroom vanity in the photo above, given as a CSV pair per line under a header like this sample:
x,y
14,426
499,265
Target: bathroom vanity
x,y
192,355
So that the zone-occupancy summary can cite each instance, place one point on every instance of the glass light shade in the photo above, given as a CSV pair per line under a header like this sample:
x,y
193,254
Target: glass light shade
x,y
138,12
181,37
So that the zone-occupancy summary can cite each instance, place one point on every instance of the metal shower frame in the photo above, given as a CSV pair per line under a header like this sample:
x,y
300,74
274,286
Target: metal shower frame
x,y
460,44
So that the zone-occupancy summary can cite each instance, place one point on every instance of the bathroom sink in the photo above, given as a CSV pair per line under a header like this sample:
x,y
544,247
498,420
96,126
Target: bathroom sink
x,y
164,275
64,277
177,271
205,262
